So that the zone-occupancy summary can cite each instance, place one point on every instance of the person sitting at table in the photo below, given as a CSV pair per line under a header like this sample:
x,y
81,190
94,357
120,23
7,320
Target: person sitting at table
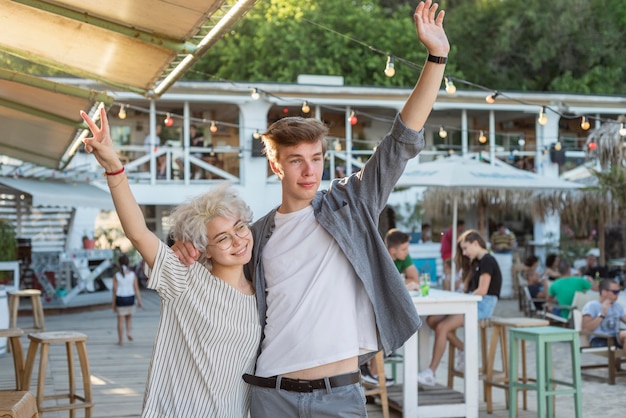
x,y
503,240
537,283
552,267
397,243
482,276
592,268
561,291
603,316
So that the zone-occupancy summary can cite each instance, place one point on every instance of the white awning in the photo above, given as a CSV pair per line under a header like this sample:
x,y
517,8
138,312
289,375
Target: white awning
x,y
56,193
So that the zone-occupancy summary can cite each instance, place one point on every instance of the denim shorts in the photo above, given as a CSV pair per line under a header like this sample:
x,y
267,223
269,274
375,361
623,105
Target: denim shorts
x,y
604,342
486,307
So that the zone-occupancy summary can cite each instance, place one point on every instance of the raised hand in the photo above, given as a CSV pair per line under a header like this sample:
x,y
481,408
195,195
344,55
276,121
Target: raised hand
x,y
429,25
100,143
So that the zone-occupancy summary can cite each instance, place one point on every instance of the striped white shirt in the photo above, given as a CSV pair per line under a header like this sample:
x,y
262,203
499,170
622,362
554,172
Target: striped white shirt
x,y
208,337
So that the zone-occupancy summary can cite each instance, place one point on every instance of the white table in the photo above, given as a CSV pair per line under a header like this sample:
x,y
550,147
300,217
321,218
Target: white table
x,y
441,302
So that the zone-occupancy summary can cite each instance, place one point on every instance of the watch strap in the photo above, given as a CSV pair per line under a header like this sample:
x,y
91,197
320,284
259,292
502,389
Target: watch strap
x,y
437,60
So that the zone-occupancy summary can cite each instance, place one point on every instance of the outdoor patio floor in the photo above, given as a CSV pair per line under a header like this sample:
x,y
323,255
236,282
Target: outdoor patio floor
x,y
119,373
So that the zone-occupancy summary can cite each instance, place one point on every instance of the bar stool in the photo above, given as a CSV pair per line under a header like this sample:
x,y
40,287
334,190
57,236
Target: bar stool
x,y
500,378
44,339
16,404
37,308
452,373
543,337
14,335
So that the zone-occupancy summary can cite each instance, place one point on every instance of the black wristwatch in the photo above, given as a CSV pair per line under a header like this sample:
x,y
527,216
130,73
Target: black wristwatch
x,y
601,316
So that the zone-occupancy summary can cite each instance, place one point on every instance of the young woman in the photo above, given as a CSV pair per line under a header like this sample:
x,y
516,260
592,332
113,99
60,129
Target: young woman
x,y
482,277
209,331
125,291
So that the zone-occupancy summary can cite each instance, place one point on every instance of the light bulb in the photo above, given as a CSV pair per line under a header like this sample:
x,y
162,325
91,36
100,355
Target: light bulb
x,y
622,130
491,99
255,94
168,120
482,138
213,127
592,146
584,123
557,146
521,142
450,87
442,132
305,107
390,70
122,113
542,119
256,134
352,119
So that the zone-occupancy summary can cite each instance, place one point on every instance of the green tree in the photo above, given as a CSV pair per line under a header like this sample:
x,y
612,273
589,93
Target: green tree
x,y
280,39
561,45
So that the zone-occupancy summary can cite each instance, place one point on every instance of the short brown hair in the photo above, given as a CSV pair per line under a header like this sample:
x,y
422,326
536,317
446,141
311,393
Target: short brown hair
x,y
290,131
395,237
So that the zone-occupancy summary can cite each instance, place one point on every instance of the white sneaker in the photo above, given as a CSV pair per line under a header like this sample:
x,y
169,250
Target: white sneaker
x,y
459,361
426,377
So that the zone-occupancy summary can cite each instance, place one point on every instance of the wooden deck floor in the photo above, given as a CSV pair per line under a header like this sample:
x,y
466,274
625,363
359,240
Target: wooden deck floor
x,y
118,374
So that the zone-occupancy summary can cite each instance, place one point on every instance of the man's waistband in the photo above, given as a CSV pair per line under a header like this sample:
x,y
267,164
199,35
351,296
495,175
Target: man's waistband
x,y
298,385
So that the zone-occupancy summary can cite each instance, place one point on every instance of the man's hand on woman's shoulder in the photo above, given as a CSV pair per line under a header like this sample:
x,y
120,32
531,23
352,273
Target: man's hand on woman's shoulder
x,y
186,252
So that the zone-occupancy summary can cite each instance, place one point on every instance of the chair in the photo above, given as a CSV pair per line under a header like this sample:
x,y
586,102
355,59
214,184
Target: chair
x,y
17,404
67,338
452,372
614,355
499,378
14,335
380,389
37,308
521,283
530,309
545,382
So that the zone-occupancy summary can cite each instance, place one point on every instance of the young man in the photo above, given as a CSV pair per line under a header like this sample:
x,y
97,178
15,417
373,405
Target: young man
x,y
503,240
327,298
603,316
397,243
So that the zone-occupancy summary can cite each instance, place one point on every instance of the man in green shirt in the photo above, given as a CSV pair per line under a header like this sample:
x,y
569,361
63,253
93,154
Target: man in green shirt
x,y
397,243
562,290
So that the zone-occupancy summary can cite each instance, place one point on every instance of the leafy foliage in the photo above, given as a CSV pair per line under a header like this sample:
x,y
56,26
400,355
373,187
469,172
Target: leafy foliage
x,y
8,241
561,45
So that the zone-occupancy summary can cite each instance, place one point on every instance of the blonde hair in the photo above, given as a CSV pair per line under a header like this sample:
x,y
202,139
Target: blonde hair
x,y
189,220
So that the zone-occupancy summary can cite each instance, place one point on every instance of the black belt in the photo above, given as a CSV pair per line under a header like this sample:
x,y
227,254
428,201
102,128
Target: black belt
x,y
298,385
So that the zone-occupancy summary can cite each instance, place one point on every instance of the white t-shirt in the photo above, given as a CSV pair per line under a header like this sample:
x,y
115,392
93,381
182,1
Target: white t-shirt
x,y
317,308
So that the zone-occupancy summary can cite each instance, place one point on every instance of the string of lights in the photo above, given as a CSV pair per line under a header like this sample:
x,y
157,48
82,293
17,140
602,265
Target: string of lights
x,y
450,87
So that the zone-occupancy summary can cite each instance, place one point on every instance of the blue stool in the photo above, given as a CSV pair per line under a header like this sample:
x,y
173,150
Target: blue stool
x,y
543,337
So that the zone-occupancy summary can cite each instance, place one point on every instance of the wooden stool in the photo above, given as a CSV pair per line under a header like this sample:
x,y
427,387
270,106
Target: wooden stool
x,y
14,335
543,337
35,298
452,373
68,338
381,389
18,404
499,378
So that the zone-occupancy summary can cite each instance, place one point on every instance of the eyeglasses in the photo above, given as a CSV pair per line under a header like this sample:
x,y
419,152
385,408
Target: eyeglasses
x,y
226,241
615,292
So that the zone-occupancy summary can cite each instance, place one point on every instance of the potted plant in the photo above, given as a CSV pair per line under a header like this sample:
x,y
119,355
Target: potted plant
x,y
8,241
8,253
89,242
